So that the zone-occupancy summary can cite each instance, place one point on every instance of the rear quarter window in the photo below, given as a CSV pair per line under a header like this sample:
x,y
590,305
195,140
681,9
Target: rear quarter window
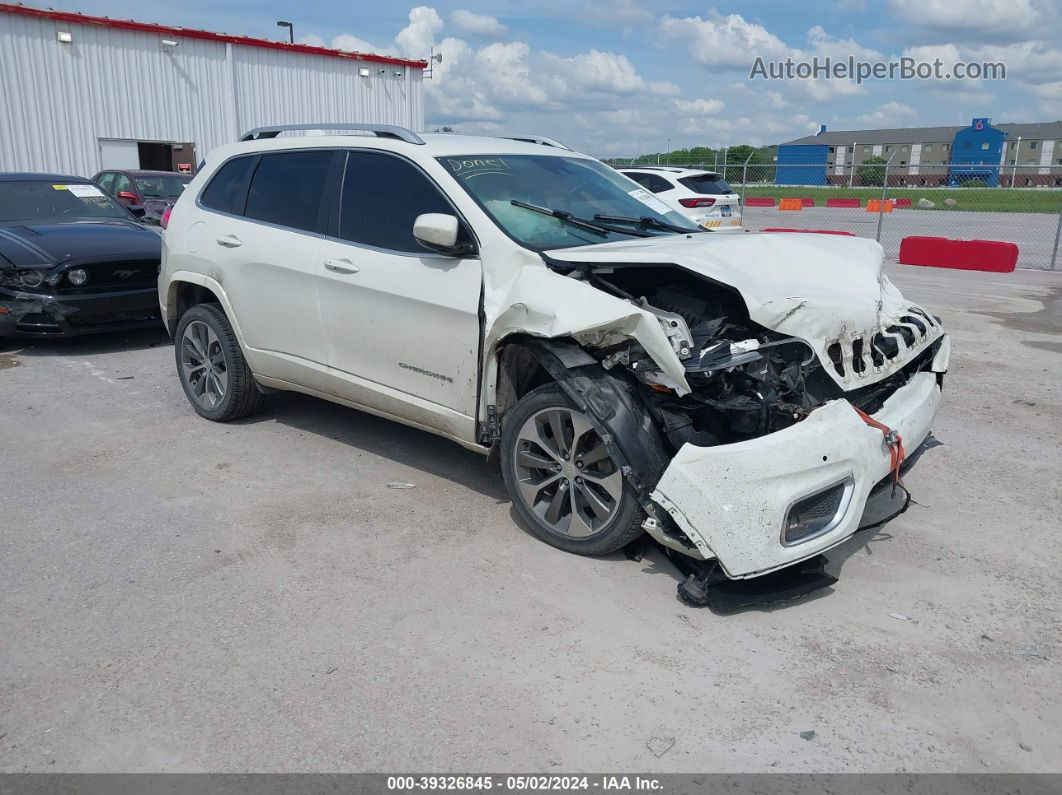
x,y
227,185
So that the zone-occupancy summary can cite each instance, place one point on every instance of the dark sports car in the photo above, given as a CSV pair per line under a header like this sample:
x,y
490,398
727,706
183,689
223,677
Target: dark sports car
x,y
72,260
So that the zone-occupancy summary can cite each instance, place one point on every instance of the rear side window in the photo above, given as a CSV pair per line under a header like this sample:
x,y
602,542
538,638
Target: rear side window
x,y
287,187
227,185
707,184
382,197
641,179
652,182
106,181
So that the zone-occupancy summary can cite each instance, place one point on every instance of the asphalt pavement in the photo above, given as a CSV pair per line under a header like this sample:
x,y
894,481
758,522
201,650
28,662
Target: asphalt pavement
x,y
184,596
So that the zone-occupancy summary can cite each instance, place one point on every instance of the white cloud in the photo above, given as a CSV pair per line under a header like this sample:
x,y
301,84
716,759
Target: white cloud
x,y
889,114
416,38
726,41
698,107
979,19
478,24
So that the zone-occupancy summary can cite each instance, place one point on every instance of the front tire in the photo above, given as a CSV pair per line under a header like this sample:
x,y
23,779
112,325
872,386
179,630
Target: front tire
x,y
211,366
561,478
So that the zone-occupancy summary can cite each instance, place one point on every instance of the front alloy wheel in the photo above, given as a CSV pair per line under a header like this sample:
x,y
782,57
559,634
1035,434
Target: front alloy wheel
x,y
563,481
565,474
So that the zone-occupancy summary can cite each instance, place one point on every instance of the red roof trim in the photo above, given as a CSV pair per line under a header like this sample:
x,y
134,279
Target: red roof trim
x,y
190,33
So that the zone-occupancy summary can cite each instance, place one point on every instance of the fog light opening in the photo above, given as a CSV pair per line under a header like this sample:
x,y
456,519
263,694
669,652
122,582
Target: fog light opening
x,y
817,513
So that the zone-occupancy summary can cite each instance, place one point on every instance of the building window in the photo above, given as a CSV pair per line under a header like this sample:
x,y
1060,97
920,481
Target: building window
x,y
866,150
851,149
831,150
1032,144
928,147
903,148
888,148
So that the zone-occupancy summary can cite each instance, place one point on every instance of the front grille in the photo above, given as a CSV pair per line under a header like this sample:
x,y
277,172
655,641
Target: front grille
x,y
904,333
111,276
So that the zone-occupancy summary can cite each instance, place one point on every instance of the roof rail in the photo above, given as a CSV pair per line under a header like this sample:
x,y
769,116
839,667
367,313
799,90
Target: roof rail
x,y
537,139
381,131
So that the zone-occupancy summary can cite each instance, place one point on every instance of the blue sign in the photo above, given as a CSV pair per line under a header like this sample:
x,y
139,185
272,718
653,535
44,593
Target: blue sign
x,y
980,124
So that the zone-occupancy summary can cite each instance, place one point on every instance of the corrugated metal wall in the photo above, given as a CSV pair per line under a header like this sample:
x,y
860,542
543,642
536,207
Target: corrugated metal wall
x,y
58,100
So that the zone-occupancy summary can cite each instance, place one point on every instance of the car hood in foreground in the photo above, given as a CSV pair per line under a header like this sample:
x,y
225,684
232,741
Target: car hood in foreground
x,y
825,289
47,244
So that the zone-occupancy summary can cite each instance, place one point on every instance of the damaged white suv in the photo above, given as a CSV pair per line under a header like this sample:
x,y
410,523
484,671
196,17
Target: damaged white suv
x,y
744,399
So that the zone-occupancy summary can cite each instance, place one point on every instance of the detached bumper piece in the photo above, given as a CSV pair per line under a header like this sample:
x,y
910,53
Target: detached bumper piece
x,y
761,505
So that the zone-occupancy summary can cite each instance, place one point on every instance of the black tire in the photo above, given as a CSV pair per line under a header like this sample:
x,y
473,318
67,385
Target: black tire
x,y
240,395
620,527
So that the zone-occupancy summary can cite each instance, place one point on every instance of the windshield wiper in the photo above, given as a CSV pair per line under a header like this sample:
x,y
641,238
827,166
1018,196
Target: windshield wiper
x,y
647,222
568,218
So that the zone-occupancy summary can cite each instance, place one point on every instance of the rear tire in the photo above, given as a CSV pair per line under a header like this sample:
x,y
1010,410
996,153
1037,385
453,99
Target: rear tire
x,y
211,366
562,480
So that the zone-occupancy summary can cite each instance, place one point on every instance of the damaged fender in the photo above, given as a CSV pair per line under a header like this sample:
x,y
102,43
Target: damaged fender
x,y
612,407
541,303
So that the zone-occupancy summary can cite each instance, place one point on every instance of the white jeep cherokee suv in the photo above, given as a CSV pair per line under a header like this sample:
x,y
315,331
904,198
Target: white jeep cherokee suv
x,y
741,398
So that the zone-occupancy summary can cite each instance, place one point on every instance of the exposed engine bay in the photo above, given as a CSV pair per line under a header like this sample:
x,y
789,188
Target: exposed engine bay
x,y
746,380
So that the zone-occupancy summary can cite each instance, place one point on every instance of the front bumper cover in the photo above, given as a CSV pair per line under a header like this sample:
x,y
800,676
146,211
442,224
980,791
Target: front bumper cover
x,y
46,314
732,500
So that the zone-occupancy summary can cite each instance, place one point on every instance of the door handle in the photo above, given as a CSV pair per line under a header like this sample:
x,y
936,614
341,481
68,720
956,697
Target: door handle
x,y
229,241
341,266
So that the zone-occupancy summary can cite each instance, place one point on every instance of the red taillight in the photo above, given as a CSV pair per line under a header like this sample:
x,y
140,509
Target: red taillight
x,y
696,202
165,220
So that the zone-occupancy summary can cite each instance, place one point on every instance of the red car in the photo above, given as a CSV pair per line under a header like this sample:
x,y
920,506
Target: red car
x,y
155,191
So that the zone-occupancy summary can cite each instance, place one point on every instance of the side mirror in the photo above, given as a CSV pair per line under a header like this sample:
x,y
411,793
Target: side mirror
x,y
126,196
439,231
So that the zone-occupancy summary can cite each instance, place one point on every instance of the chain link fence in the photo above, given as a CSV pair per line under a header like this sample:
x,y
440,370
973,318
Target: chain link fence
x,y
888,202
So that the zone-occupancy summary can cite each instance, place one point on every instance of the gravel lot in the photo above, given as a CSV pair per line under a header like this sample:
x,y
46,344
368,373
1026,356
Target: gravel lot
x,y
1034,233
184,596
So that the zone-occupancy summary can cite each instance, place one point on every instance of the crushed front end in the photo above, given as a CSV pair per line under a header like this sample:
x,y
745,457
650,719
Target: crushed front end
x,y
780,444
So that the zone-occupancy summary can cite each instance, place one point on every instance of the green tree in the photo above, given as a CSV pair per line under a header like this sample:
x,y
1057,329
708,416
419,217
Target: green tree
x,y
872,171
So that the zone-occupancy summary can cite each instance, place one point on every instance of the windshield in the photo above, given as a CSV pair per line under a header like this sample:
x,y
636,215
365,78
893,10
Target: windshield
x,y
162,186
32,201
707,184
578,186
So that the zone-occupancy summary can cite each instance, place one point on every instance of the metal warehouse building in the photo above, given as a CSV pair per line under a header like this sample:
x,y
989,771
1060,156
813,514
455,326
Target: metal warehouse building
x,y
1019,155
83,93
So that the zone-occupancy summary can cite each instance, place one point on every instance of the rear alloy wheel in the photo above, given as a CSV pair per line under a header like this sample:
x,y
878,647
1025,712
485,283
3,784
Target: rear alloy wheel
x,y
562,478
211,366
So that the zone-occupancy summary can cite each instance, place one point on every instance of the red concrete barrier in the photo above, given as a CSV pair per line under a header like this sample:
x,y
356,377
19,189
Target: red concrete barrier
x,y
759,201
807,201
810,231
902,202
842,202
973,255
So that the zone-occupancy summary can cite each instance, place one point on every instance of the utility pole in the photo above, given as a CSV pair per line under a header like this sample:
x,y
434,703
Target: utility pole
x,y
1014,171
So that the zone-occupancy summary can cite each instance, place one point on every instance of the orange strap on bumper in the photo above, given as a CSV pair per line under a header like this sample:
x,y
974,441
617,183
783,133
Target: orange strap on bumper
x,y
892,439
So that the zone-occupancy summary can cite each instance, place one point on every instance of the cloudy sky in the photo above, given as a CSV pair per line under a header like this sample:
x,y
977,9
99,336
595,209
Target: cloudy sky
x,y
618,77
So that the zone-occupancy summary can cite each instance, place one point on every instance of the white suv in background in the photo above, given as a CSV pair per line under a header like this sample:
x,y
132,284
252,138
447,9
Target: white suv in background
x,y
629,370
702,196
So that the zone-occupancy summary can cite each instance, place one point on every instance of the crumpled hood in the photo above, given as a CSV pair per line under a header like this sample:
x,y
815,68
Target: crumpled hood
x,y
824,289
